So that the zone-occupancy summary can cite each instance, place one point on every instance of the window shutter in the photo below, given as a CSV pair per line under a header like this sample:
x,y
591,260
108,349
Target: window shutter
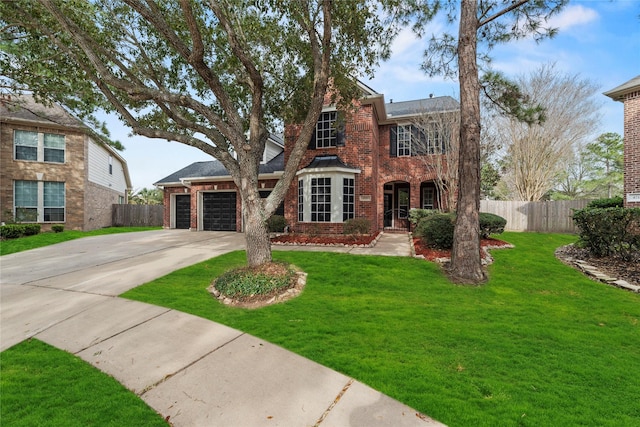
x,y
393,141
312,141
341,130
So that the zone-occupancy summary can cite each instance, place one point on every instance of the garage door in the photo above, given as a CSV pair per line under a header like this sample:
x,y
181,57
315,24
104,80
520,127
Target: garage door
x,y
219,211
183,211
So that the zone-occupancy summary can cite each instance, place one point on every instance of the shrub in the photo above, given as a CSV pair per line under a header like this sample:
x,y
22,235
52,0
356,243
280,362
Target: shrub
x,y
491,224
416,215
437,230
609,231
357,226
614,202
246,281
57,228
13,231
276,224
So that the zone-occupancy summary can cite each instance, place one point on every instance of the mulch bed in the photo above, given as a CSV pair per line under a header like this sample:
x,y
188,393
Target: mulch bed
x,y
340,239
611,265
440,255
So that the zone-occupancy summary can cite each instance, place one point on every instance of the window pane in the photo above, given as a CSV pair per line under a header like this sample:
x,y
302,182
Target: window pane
x,y
321,199
52,140
55,156
26,145
53,194
301,200
325,130
54,214
26,194
348,198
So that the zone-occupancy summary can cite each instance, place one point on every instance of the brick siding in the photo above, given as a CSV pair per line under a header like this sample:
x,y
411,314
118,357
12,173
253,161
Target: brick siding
x,y
632,146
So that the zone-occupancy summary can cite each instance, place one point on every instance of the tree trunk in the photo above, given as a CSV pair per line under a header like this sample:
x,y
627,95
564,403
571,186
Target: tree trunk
x,y
256,233
466,266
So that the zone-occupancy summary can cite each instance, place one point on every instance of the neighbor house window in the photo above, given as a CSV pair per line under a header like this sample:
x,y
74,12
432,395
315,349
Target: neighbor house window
x,y
26,145
320,199
53,202
39,147
39,201
26,201
348,198
301,200
110,165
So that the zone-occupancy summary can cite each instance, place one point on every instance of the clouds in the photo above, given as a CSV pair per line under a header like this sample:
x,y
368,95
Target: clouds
x,y
574,16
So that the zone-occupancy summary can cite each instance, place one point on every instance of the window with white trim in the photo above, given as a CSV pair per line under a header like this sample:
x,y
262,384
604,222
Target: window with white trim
x,y
39,201
301,200
320,199
348,198
39,147
326,135
404,140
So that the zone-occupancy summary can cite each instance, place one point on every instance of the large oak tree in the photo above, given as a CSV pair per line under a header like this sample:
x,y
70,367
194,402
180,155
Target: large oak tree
x,y
212,74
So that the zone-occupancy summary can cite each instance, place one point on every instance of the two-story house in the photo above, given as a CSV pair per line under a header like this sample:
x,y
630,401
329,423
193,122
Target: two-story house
x,y
53,171
372,161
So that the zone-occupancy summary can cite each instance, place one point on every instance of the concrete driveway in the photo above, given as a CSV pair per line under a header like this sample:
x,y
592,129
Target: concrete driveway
x,y
192,371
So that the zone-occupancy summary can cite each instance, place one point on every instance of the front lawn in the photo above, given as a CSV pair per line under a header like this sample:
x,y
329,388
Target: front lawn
x,y
538,345
50,238
43,386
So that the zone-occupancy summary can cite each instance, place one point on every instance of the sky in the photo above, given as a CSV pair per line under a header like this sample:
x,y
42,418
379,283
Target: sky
x,y
598,40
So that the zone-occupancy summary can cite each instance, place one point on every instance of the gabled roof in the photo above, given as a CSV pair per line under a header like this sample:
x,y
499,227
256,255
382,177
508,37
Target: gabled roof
x,y
214,170
25,109
618,93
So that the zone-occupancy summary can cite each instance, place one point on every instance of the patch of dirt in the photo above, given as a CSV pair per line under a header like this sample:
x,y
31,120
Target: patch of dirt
x,y
325,239
444,256
295,287
611,266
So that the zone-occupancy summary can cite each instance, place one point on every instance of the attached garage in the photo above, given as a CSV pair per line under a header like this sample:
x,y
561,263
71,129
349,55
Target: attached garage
x,y
219,211
183,211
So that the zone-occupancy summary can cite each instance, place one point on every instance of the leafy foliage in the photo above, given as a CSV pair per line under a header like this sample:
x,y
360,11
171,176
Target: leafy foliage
x,y
357,226
276,223
609,231
491,224
437,230
417,215
57,228
614,202
14,231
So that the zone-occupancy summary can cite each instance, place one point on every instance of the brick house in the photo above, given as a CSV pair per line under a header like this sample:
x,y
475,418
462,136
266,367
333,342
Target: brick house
x,y
629,94
369,162
53,171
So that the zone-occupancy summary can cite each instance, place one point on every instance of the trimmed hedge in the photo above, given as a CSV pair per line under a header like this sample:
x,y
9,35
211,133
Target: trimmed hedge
x,y
357,226
436,230
614,202
491,224
609,231
276,224
57,228
13,231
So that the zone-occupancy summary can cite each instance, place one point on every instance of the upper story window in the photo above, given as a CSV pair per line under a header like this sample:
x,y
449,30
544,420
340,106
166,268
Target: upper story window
x,y
329,132
412,140
38,146
110,165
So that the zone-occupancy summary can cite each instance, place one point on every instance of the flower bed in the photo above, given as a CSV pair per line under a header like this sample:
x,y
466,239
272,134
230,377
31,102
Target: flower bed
x,y
326,239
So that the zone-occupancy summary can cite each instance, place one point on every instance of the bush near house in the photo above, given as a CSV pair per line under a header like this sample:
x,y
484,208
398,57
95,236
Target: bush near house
x,y
357,226
13,231
436,229
57,228
609,231
417,215
276,224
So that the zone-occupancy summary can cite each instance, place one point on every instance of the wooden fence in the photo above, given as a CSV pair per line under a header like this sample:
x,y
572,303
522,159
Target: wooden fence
x,y
137,215
546,217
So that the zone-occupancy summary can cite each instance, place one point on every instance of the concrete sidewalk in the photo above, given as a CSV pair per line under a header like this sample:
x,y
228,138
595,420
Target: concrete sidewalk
x,y
192,371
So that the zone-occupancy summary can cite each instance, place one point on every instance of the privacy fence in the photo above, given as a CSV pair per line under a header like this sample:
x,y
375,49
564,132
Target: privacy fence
x,y
136,215
545,217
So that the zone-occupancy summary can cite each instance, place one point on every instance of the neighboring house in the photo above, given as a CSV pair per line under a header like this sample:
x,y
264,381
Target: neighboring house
x,y
369,162
629,94
53,171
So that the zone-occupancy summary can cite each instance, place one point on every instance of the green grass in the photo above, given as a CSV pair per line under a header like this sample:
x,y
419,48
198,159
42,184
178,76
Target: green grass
x,y
43,386
538,345
49,238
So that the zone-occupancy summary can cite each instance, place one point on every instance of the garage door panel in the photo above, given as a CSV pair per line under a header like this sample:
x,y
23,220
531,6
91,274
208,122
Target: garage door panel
x,y
219,211
183,211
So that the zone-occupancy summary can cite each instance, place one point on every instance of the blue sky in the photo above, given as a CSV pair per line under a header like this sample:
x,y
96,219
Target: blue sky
x,y
598,40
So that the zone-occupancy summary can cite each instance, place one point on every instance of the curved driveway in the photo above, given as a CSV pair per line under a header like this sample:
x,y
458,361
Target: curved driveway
x,y
66,295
